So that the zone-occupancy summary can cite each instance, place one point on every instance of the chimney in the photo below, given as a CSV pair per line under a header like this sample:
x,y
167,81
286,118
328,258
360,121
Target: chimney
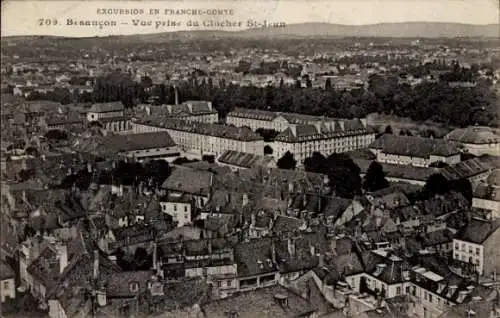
x,y
312,249
176,95
62,255
321,259
244,200
155,255
209,104
333,246
273,252
253,219
96,265
291,246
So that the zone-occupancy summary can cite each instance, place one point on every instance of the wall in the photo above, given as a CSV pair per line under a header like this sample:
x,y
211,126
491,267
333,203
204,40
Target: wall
x,y
493,206
7,289
462,251
492,254
56,310
180,212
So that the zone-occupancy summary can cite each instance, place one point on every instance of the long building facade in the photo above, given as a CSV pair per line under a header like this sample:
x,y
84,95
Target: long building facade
x,y
204,138
323,137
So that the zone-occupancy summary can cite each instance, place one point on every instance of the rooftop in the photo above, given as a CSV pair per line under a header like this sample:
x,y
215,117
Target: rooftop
x,y
414,146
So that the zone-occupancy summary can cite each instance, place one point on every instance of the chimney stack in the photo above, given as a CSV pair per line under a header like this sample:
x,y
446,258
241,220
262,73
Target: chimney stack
x,y
62,255
291,246
176,95
96,264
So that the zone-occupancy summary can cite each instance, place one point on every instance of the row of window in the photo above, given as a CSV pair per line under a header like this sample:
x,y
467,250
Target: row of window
x,y
466,247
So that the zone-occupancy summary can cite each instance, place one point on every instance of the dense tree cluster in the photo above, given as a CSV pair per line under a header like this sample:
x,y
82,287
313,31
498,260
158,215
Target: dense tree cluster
x,y
151,174
375,178
343,173
287,161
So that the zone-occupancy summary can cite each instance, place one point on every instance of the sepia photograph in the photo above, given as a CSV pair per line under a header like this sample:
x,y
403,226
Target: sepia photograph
x,y
250,159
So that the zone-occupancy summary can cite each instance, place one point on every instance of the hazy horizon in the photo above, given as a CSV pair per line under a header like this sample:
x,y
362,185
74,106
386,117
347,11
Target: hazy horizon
x,y
339,12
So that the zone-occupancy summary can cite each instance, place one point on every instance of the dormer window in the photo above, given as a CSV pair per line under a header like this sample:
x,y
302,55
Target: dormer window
x,y
134,287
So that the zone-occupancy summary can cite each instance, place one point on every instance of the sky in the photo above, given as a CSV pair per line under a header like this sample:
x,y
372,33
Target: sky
x,y
22,17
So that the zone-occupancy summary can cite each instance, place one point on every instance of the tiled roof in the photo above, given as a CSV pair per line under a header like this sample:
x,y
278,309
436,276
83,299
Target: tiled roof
x,y
265,303
470,168
414,146
253,114
487,192
106,107
478,230
216,130
244,159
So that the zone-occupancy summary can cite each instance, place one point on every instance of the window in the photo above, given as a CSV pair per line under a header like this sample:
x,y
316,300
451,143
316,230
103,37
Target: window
x,y
430,298
134,287
229,283
425,295
463,246
398,290
185,208
407,290
477,251
219,284
6,284
175,207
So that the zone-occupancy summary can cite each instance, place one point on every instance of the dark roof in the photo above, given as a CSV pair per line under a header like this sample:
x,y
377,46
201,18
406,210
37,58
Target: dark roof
x,y
478,230
131,142
244,159
6,272
216,130
414,146
322,130
247,257
286,224
106,107
487,192
188,180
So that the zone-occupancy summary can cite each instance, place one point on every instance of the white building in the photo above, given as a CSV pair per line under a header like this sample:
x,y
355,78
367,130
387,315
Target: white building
x,y
477,246
7,282
415,151
477,140
192,111
178,207
325,137
205,139
105,110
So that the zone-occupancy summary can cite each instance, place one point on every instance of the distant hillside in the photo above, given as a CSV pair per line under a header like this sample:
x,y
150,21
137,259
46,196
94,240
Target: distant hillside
x,y
406,29
312,30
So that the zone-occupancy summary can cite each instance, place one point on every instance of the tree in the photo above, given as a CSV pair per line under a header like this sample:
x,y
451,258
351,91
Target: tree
x,y
282,83
388,129
463,186
438,164
375,178
437,184
287,161
56,134
268,150
315,163
328,84
344,176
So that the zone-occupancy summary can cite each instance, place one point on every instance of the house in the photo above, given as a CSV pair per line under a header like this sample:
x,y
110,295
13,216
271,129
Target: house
x,y
486,195
178,206
105,110
191,111
475,169
7,282
415,151
477,140
476,245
